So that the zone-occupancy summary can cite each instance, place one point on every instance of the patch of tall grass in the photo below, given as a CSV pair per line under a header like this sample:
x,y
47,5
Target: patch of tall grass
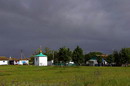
x,y
64,76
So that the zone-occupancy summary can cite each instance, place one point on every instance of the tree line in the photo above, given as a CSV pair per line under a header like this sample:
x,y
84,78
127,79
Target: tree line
x,y
64,55
119,58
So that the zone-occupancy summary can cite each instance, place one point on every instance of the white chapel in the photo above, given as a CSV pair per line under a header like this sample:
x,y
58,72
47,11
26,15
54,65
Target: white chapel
x,y
40,59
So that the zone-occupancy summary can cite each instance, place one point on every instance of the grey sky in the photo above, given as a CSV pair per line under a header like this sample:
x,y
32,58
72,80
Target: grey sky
x,y
94,25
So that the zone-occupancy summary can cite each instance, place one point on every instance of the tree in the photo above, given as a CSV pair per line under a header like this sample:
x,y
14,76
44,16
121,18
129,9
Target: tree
x,y
49,53
110,59
64,55
124,54
77,56
87,57
31,61
99,60
55,57
117,58
122,57
128,50
91,55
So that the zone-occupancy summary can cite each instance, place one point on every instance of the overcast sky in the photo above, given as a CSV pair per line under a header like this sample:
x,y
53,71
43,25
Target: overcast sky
x,y
94,25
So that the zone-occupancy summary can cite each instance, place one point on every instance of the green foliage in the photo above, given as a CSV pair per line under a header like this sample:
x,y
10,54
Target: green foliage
x,y
122,57
31,61
99,60
117,57
124,54
91,55
77,56
86,57
56,57
64,55
110,59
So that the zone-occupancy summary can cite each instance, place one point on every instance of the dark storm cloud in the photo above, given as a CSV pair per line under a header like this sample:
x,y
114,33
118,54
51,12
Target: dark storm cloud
x,y
95,25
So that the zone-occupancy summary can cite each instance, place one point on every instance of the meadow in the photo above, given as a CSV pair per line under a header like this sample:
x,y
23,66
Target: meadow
x,y
64,76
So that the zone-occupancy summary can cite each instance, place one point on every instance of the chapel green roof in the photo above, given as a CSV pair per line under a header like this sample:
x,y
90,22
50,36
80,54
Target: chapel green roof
x,y
41,55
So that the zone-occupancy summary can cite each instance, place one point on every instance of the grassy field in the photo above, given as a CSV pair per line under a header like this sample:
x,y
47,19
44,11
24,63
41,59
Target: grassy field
x,y
64,76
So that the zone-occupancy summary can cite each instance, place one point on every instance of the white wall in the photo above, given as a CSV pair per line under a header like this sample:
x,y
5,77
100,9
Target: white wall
x,y
92,62
20,62
36,61
40,61
4,62
50,62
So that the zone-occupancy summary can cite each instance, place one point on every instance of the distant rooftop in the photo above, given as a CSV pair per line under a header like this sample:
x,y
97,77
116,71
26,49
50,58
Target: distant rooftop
x,y
3,58
41,55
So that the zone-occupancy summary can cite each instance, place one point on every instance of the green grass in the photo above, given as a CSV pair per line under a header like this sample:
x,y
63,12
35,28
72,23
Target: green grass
x,y
64,76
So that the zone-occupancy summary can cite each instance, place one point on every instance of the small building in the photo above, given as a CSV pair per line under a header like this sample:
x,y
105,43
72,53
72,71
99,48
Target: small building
x,y
13,61
3,60
93,62
40,59
24,61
